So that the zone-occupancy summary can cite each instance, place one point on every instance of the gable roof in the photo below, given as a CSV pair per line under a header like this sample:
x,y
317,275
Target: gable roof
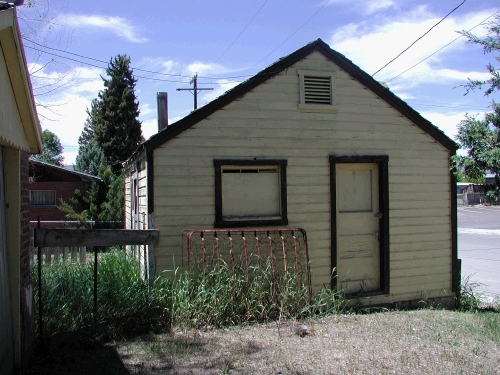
x,y
271,71
45,172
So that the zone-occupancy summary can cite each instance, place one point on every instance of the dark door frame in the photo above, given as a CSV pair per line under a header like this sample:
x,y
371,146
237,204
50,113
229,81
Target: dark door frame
x,y
383,178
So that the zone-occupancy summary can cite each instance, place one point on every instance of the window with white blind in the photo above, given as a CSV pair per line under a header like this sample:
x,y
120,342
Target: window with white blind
x,y
43,197
316,90
250,192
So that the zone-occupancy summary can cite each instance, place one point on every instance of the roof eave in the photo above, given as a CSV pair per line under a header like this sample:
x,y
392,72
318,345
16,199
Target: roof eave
x,y
15,58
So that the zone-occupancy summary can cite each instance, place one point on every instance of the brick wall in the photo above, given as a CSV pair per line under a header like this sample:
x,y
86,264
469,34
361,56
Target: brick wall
x,y
64,191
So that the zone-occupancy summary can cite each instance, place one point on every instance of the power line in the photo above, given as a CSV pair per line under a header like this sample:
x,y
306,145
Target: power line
x,y
451,107
64,57
427,32
101,61
443,47
229,79
242,31
106,62
101,67
286,40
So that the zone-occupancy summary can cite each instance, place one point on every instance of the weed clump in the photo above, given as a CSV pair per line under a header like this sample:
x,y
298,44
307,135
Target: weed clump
x,y
467,298
220,296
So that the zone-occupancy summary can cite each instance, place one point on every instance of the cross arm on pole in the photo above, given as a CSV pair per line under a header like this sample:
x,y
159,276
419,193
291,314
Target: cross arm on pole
x,y
195,89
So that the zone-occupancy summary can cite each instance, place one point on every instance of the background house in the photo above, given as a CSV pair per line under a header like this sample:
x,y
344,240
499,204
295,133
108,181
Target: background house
x,y
20,135
49,184
311,142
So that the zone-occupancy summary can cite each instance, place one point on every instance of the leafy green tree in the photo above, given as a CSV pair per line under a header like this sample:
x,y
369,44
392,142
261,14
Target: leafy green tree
x,y
116,127
480,138
51,149
490,43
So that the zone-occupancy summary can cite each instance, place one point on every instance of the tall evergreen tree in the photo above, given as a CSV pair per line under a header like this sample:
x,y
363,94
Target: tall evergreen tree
x,y
90,158
116,127
111,134
88,127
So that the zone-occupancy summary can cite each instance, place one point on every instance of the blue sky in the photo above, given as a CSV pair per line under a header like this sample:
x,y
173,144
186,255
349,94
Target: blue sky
x,y
227,41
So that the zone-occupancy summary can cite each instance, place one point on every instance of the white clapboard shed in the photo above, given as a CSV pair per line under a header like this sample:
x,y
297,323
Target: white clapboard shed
x,y
310,142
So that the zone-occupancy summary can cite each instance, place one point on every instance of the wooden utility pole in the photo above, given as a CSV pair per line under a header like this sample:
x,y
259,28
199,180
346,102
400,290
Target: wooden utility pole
x,y
195,90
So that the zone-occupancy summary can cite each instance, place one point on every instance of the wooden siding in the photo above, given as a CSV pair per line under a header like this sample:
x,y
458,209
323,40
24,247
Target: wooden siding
x,y
267,123
127,203
136,171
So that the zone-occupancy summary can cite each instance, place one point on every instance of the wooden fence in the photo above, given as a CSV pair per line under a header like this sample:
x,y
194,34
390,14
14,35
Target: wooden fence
x,y
57,254
82,238
472,199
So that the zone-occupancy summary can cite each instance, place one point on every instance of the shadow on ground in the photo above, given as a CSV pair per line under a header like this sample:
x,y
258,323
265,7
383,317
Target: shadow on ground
x,y
73,355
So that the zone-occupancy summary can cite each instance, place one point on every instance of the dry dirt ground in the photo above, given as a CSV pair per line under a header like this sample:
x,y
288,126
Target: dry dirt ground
x,y
404,342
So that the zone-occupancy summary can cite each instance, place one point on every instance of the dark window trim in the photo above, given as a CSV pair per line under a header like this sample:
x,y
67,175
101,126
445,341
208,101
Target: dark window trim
x,y
383,170
219,219
456,264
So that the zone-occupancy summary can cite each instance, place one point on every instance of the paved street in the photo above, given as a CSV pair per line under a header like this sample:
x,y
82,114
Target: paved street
x,y
479,246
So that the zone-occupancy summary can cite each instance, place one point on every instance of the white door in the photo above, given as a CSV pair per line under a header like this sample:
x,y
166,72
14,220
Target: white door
x,y
357,227
6,338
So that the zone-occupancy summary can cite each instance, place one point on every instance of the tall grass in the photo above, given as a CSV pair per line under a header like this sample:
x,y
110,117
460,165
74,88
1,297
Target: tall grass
x,y
225,296
216,297
125,301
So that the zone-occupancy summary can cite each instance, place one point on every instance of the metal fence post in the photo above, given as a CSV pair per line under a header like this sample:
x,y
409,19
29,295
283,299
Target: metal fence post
x,y
40,304
95,287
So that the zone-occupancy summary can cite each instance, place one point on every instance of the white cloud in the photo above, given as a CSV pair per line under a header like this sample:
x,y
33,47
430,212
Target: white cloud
x,y
117,25
371,47
376,5
65,117
365,6
159,64
208,68
63,111
445,122
146,109
204,68
222,87
149,128
429,74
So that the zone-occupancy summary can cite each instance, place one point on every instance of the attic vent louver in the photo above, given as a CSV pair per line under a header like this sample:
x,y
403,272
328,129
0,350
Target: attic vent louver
x,y
317,90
